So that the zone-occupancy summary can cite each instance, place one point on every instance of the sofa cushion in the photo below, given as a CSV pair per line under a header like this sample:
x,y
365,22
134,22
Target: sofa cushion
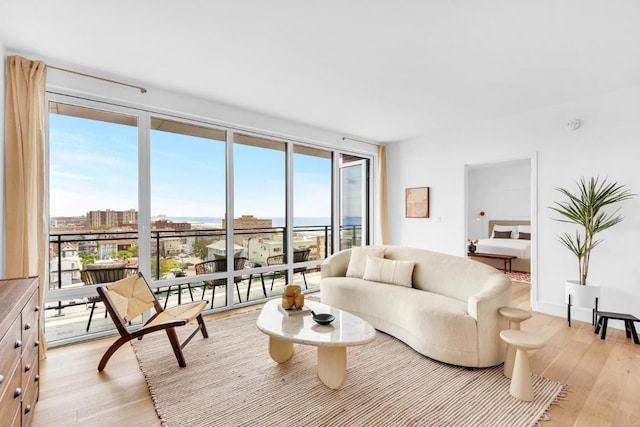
x,y
358,260
383,270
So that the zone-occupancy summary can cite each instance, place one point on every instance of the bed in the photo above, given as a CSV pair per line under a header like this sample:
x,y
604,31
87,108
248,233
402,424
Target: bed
x,y
507,237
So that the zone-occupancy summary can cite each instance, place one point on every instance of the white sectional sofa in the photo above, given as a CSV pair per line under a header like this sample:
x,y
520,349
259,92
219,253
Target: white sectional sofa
x,y
448,311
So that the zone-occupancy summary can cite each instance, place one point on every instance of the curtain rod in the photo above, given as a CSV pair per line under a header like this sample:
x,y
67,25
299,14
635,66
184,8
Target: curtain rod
x,y
141,89
344,138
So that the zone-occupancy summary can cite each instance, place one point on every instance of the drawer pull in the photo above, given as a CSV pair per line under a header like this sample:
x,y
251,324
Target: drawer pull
x,y
18,344
37,343
36,378
27,409
27,326
1,378
27,367
17,392
37,308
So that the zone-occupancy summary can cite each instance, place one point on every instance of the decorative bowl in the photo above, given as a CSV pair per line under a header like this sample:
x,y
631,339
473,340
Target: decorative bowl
x,y
323,318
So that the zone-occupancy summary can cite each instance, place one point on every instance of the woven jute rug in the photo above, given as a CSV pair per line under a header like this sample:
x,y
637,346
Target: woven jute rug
x,y
230,380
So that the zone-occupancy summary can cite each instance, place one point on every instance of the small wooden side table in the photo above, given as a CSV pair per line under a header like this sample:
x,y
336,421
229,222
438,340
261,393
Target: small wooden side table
x,y
629,328
515,316
521,387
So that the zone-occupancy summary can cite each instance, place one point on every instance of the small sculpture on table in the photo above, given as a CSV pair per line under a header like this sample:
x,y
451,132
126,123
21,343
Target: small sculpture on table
x,y
292,297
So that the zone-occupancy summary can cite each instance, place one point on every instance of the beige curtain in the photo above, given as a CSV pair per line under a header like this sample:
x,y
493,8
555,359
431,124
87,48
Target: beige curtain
x,y
382,195
25,219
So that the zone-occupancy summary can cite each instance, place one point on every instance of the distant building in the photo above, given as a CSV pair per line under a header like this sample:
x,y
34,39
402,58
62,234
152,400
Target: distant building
x,y
111,218
69,266
249,221
165,224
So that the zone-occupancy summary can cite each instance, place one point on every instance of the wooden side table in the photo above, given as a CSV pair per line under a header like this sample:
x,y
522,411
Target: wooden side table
x,y
521,387
515,316
629,327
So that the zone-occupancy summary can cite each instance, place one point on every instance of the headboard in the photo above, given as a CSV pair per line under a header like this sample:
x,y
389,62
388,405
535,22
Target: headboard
x,y
506,222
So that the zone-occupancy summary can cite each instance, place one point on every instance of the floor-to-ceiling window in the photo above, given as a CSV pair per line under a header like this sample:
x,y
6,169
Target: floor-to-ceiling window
x,y
93,207
312,204
187,207
260,194
173,198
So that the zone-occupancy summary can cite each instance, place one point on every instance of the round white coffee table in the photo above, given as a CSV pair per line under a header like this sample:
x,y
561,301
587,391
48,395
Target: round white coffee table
x,y
332,340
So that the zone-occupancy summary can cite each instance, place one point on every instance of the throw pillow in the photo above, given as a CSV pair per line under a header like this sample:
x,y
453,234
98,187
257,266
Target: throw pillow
x,y
524,236
358,260
502,234
383,270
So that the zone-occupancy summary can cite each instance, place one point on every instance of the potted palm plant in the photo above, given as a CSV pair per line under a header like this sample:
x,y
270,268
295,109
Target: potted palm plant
x,y
585,208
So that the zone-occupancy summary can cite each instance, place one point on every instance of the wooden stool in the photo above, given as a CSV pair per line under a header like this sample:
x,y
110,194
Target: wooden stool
x,y
515,316
521,387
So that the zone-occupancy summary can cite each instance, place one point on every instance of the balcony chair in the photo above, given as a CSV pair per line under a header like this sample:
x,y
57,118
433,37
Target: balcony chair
x,y
128,298
299,255
96,274
215,266
166,299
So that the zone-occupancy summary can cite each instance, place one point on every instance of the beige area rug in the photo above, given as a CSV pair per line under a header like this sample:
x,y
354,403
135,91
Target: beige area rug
x,y
230,380
519,276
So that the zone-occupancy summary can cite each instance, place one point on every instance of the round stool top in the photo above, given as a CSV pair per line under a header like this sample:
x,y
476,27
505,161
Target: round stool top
x,y
521,339
514,314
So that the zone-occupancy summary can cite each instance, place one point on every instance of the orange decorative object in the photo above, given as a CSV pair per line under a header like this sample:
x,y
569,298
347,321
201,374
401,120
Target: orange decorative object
x,y
292,297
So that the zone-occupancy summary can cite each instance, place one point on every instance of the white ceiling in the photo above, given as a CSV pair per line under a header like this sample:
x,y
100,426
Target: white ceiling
x,y
384,70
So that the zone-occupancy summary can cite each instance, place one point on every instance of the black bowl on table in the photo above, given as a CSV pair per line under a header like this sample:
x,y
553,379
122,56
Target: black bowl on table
x,y
323,318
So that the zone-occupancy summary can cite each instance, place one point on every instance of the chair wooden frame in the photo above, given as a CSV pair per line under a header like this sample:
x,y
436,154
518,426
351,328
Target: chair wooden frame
x,y
128,298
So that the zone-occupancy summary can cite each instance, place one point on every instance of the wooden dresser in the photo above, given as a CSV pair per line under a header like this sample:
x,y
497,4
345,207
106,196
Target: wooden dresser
x,y
19,369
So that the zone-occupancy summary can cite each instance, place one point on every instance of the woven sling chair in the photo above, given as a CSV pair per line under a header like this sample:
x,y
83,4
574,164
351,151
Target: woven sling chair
x,y
128,298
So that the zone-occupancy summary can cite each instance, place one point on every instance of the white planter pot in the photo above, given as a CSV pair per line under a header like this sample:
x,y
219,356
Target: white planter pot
x,y
581,295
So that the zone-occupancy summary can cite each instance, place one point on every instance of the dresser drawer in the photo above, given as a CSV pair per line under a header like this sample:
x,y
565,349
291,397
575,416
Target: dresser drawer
x,y
29,349
30,322
12,395
9,353
29,400
29,371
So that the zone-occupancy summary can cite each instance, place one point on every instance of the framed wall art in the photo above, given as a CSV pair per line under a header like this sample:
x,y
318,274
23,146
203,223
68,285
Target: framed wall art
x,y
417,202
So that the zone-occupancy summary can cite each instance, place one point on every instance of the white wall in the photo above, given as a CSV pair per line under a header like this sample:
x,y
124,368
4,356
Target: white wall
x,y
500,190
606,144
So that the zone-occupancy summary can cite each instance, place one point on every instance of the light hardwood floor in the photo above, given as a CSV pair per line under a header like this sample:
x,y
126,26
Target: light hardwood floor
x,y
603,378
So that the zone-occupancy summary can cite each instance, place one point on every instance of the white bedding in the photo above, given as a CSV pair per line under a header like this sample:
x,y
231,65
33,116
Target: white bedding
x,y
516,247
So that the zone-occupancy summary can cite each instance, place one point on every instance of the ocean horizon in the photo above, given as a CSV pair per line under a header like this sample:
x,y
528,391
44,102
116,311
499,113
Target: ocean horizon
x,y
276,222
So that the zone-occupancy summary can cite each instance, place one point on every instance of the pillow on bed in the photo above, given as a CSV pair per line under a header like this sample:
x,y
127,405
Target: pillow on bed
x,y
395,272
526,229
358,260
502,234
524,236
502,228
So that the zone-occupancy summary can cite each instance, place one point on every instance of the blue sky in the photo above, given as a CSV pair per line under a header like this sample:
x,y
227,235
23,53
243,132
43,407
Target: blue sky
x,y
94,165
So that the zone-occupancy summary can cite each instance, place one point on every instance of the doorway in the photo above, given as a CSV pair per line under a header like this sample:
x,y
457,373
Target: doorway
x,y
504,190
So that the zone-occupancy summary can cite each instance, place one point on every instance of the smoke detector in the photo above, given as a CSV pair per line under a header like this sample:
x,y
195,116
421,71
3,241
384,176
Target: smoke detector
x,y
573,124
